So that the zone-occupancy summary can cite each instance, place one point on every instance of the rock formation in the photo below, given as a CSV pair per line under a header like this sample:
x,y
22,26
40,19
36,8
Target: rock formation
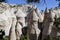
x,y
13,18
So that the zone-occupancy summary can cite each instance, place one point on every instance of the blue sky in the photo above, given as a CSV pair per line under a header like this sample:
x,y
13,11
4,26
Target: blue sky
x,y
40,6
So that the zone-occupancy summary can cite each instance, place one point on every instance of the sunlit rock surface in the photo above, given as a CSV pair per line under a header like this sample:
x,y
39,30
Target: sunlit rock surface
x,y
26,15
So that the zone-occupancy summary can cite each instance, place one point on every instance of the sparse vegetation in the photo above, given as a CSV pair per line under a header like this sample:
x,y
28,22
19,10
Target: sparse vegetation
x,y
26,37
5,38
57,23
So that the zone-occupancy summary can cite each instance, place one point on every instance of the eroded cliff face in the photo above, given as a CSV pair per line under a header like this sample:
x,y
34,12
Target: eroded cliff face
x,y
17,17
5,6
25,15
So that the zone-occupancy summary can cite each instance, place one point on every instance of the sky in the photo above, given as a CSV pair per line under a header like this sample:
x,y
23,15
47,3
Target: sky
x,y
41,6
